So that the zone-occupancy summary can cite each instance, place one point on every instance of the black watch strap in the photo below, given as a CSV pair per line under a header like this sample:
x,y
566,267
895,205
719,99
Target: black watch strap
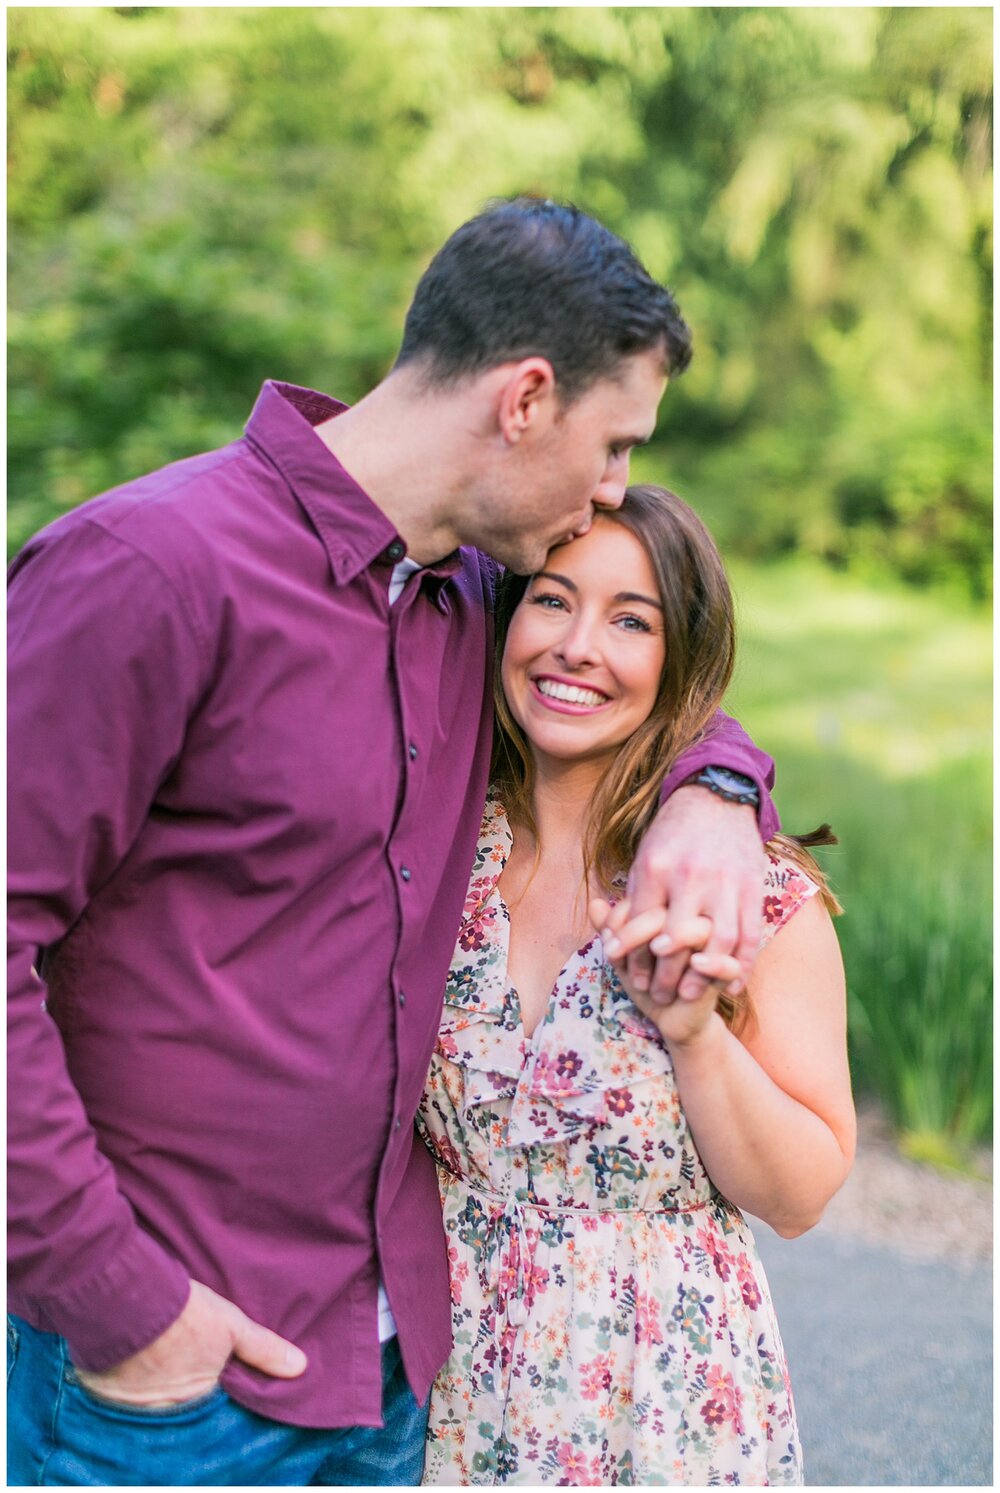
x,y
729,785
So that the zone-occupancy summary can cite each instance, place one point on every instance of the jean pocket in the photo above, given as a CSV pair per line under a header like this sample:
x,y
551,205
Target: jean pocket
x,y
146,1414
13,1343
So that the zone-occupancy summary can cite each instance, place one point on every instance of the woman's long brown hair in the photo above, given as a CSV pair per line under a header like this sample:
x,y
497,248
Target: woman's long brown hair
x,y
699,639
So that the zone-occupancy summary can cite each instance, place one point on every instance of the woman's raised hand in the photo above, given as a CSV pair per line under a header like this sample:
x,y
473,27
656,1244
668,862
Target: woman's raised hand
x,y
681,1021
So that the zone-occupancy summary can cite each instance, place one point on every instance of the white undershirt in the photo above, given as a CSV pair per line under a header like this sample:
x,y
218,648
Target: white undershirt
x,y
400,575
386,1322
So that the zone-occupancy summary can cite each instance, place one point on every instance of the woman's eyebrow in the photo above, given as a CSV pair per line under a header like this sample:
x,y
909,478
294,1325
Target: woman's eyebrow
x,y
550,575
637,596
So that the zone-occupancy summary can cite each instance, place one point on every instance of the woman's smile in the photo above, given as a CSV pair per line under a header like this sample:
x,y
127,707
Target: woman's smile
x,y
566,694
584,655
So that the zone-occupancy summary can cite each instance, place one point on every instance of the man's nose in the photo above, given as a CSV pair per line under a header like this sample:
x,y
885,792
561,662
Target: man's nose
x,y
610,491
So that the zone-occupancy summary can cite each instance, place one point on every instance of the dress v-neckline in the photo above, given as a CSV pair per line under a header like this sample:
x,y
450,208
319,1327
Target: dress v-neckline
x,y
509,985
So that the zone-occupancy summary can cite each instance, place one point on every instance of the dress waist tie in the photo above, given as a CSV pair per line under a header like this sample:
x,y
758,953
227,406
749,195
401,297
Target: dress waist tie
x,y
507,1251
495,1227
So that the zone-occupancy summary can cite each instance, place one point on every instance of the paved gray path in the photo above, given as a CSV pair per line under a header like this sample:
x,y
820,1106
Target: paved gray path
x,y
890,1359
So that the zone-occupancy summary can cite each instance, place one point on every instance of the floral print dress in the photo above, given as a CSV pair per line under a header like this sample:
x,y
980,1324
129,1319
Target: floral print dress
x,y
611,1319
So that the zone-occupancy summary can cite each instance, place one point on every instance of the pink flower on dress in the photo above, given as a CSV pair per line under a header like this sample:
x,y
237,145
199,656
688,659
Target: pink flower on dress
x,y
595,1377
647,1319
555,1076
726,1393
573,1462
478,918
507,1278
718,1251
458,1271
720,1383
538,1280
479,892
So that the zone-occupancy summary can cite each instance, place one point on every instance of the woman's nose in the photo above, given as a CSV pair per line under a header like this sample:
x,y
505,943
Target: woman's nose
x,y
578,645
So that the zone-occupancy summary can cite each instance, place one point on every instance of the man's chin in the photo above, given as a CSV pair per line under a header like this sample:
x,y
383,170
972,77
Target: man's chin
x,y
519,559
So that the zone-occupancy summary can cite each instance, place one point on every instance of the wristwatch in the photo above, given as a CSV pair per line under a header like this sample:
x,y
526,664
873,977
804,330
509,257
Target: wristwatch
x,y
729,785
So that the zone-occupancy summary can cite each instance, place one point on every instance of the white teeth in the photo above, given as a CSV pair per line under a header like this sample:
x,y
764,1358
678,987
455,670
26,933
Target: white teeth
x,y
571,693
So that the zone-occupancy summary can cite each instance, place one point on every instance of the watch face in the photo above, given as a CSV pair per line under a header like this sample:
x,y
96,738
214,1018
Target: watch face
x,y
727,778
731,785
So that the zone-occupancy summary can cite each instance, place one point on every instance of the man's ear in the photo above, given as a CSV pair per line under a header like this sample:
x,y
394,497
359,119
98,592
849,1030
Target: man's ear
x,y
527,399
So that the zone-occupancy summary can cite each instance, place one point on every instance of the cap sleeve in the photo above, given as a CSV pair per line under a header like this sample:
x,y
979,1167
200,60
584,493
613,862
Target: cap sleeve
x,y
786,889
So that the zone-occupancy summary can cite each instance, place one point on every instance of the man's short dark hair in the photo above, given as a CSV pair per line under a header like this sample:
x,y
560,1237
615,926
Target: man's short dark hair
x,y
529,278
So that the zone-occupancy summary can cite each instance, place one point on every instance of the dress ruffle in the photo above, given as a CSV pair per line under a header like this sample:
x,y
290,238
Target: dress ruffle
x,y
557,1085
576,1072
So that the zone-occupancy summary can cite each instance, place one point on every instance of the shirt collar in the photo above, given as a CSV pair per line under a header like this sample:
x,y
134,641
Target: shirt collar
x,y
354,530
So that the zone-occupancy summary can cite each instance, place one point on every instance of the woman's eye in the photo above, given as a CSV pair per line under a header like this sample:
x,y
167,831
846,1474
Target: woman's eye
x,y
548,599
631,623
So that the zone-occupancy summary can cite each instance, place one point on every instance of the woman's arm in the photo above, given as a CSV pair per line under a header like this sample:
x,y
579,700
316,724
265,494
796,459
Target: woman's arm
x,y
770,1111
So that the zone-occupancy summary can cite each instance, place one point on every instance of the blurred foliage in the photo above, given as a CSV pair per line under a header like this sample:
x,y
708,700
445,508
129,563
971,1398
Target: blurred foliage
x,y
876,706
200,198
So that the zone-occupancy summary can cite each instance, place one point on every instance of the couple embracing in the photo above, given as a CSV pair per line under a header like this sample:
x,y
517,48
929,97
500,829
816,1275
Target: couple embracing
x,y
286,718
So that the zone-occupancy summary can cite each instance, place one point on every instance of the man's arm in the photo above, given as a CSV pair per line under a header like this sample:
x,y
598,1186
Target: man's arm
x,y
727,745
703,856
104,672
92,726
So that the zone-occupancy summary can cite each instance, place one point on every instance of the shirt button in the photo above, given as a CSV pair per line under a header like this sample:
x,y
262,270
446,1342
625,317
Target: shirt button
x,y
397,1124
396,550
402,997
405,872
413,752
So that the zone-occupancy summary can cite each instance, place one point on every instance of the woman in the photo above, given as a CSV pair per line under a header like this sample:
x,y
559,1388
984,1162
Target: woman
x,y
612,1323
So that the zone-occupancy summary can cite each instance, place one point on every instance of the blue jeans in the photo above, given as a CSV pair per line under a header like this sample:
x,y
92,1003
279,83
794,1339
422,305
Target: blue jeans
x,y
59,1435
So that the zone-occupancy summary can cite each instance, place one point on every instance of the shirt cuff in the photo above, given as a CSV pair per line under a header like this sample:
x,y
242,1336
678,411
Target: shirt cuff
x,y
123,1309
716,752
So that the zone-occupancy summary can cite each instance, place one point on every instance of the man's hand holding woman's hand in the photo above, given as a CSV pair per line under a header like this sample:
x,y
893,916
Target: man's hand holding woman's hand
x,y
682,1021
185,1362
700,858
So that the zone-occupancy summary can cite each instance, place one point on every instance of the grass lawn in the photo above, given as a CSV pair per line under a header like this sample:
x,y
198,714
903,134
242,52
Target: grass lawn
x,y
876,705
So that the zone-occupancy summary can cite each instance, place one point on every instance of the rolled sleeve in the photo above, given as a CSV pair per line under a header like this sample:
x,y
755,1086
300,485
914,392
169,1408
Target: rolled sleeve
x,y
726,744
104,666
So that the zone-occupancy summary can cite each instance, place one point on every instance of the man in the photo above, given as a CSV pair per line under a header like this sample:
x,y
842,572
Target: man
x,y
250,727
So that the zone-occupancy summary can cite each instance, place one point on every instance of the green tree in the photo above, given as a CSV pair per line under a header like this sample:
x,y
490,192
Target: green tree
x,y
202,197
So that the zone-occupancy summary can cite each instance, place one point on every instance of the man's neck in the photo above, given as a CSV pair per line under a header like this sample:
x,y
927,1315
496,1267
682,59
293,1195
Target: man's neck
x,y
405,449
